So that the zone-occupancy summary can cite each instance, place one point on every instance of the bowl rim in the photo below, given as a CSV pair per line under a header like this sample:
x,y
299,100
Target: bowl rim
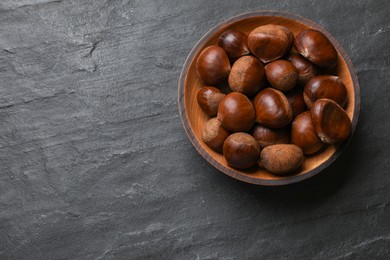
x,y
230,171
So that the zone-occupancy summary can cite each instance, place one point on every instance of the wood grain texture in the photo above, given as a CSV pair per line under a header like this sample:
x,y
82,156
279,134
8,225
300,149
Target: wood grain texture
x,y
194,118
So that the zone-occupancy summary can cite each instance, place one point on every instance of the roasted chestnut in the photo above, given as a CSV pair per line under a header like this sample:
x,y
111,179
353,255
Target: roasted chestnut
x,y
235,43
281,158
281,74
316,47
272,108
241,150
304,134
236,113
306,69
208,99
325,86
247,76
213,65
270,42
267,136
214,134
331,121
297,103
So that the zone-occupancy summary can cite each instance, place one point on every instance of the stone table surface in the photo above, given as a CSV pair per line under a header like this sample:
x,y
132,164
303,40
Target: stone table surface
x,y
95,164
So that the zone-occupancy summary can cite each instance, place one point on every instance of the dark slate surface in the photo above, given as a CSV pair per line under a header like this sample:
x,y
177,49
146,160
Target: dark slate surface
x,y
95,164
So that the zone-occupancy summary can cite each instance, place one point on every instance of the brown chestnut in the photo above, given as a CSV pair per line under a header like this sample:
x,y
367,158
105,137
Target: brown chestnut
x,y
208,99
270,42
306,69
260,164
281,74
272,108
267,136
325,86
235,43
281,158
331,121
241,150
316,47
247,76
213,65
304,134
236,113
297,103
214,134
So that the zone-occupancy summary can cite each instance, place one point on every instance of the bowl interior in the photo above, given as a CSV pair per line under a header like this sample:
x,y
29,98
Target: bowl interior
x,y
194,118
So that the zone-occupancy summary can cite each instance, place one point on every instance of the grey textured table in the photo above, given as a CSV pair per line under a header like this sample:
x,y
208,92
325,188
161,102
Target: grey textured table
x,y
95,164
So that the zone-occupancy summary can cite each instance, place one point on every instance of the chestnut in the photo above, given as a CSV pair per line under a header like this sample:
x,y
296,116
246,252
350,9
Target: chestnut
x,y
316,47
272,108
241,150
281,158
304,134
331,121
247,76
213,65
296,101
267,136
235,43
281,74
260,164
236,113
325,86
208,99
306,69
214,134
270,42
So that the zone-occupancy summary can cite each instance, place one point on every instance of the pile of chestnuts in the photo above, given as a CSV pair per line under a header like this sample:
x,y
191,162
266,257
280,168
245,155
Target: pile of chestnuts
x,y
280,107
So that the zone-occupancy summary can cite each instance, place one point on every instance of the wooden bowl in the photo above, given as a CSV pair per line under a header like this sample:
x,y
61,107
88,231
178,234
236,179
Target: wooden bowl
x,y
193,117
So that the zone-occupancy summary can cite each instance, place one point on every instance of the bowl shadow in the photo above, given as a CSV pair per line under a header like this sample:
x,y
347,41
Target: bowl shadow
x,y
309,191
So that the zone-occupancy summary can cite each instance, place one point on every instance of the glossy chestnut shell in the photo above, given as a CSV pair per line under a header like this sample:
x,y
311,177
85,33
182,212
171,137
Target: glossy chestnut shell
x,y
325,86
208,99
296,101
235,43
241,150
213,65
306,70
247,76
267,136
214,134
272,108
281,74
304,134
270,42
331,121
316,47
236,113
